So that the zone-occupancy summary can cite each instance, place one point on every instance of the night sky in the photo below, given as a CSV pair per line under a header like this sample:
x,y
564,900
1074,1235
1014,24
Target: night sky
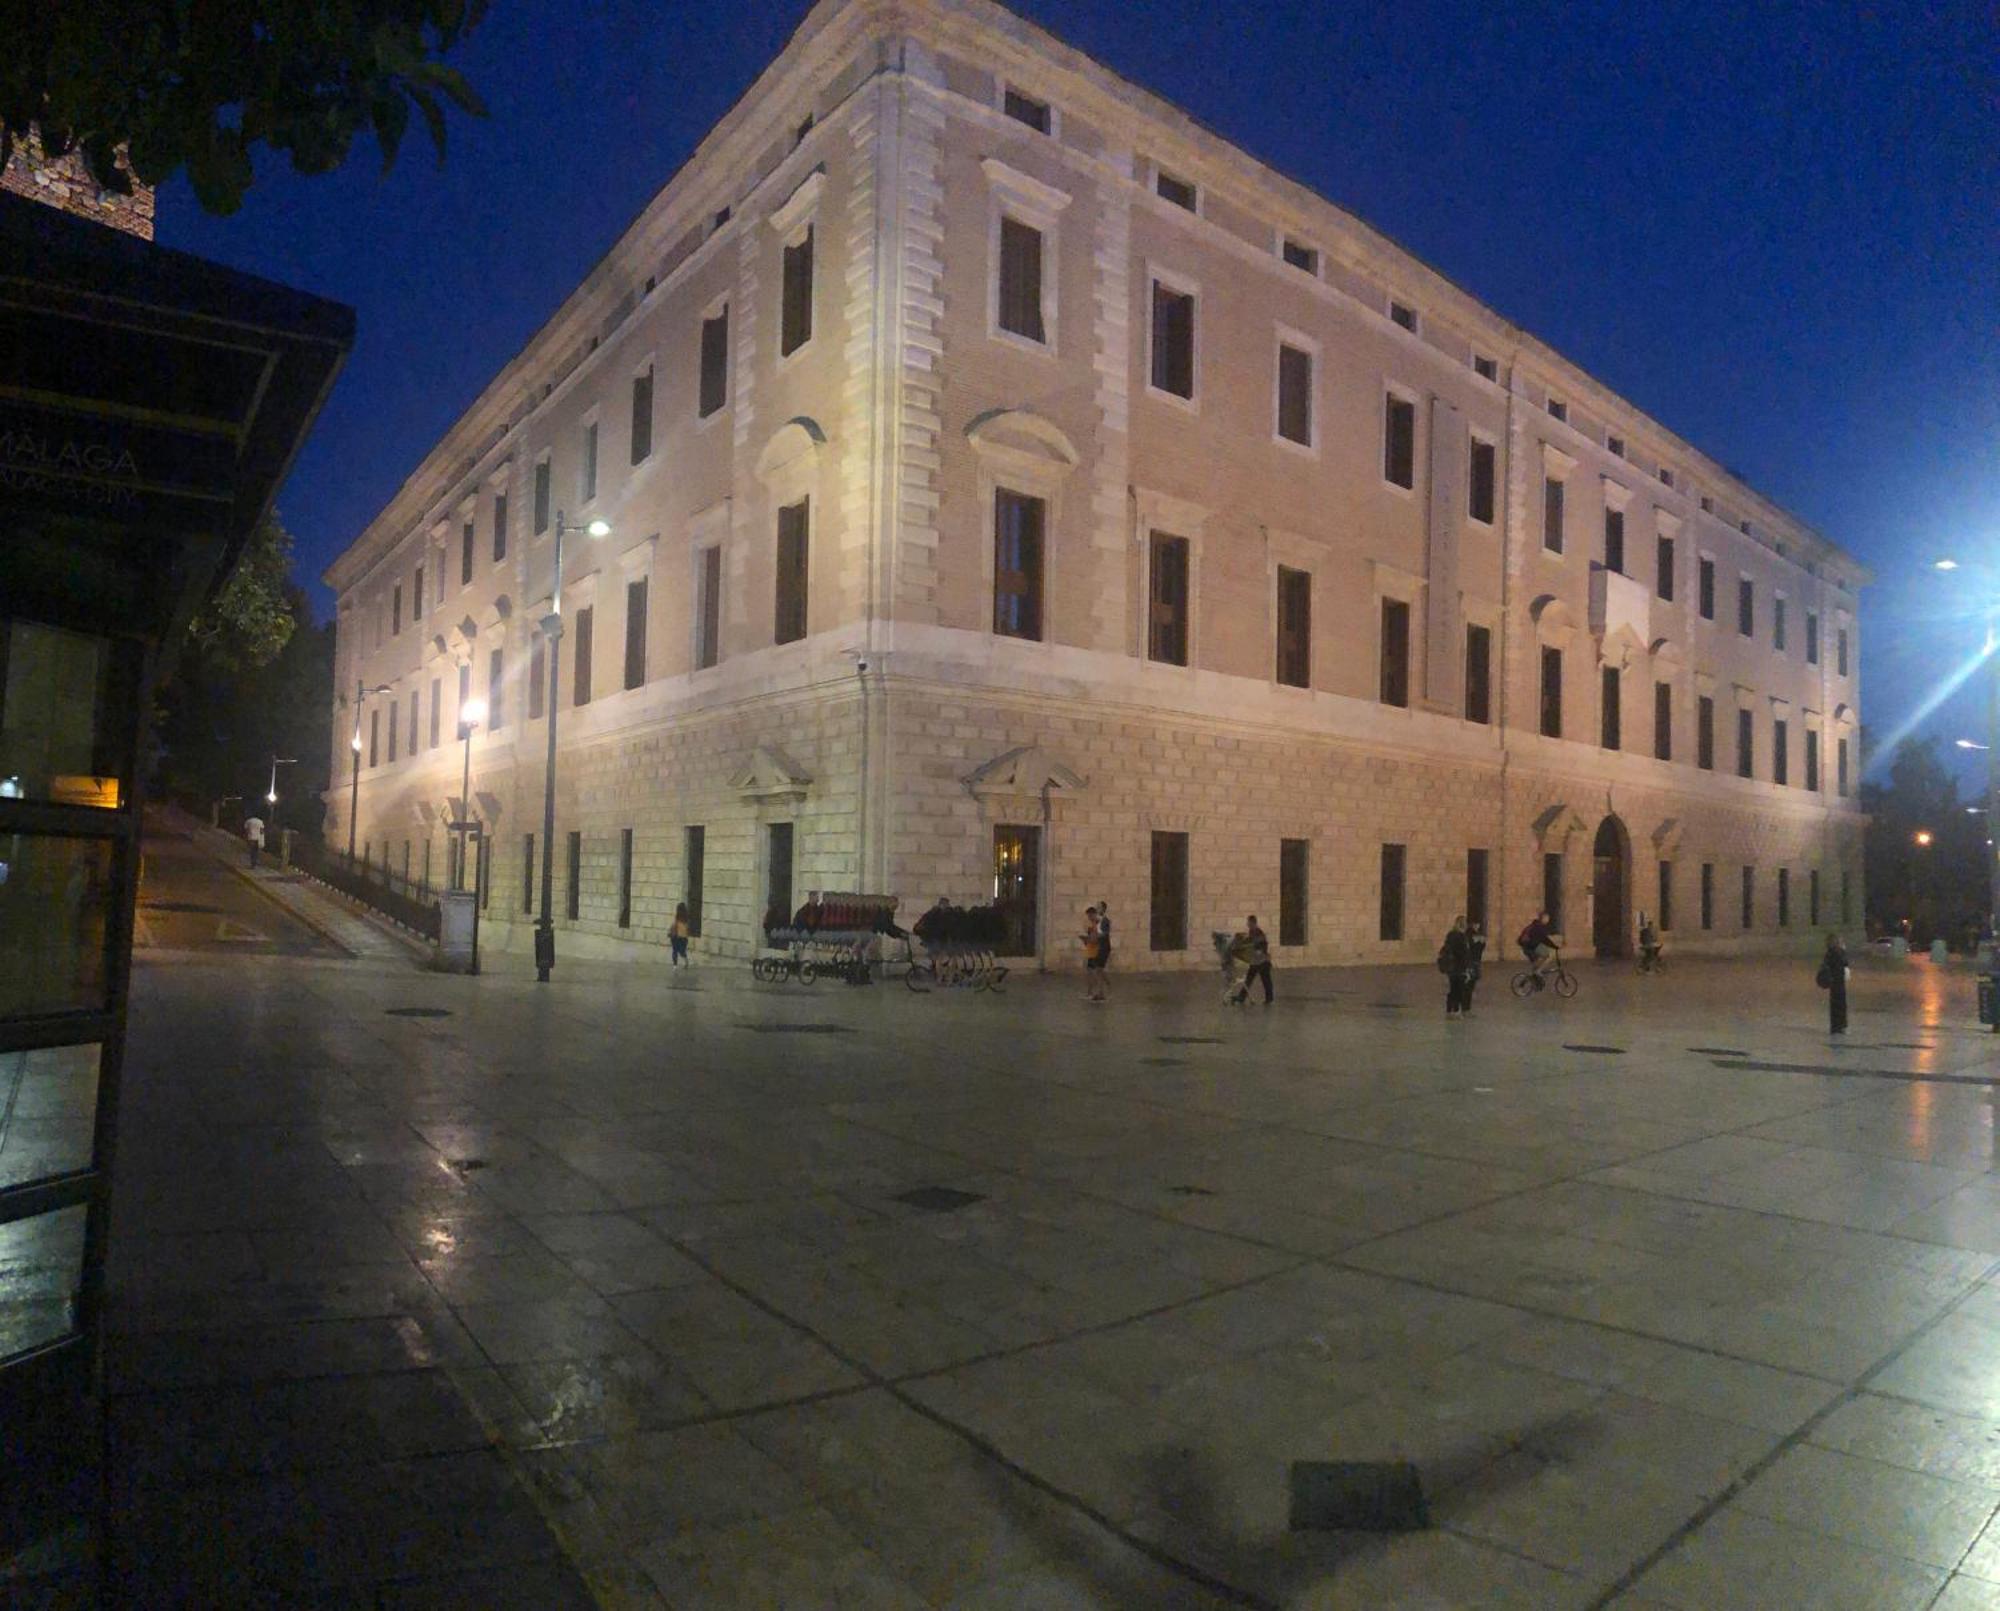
x,y
1776,228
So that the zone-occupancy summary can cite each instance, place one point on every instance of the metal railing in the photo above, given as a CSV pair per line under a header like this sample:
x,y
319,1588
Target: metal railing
x,y
401,900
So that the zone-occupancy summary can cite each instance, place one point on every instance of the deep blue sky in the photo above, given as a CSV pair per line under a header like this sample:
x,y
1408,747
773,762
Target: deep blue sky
x,y
1773,226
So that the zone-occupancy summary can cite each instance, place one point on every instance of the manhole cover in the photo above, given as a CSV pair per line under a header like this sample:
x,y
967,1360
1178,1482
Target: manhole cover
x,y
181,906
939,1199
1373,1496
1190,1040
1190,1191
797,1029
418,1012
1719,1051
1602,1051
1164,1062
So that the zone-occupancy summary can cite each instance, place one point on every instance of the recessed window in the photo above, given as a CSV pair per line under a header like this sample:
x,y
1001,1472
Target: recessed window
x,y
1778,623
1552,514
1402,314
1746,607
1708,894
1840,652
1704,732
1295,394
1707,504
642,415
1399,441
1746,744
395,710
1781,752
1173,341
1812,637
1301,256
1665,912
499,527
721,217
1706,590
1478,674
1294,867
799,134
1395,676
635,633
396,610
573,866
1026,109
1486,368
1749,897
1614,540
1666,476
1663,721
1558,409
1812,760
465,552
1394,860
496,691
1019,526
1167,920
586,479
694,867
541,495
1744,527
581,689
1168,600
437,704
795,319
624,878
793,527
1476,880
1294,627
652,283
1615,445
417,596
1180,192
1610,725
1840,768
538,671
1663,580
1552,692
1019,293
1481,481
713,389
708,606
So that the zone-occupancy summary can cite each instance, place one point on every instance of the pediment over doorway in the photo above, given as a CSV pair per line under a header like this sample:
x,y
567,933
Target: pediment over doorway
x,y
1026,770
1558,823
770,772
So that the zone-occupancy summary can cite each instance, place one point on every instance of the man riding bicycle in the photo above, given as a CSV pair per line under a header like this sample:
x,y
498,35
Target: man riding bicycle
x,y
1539,944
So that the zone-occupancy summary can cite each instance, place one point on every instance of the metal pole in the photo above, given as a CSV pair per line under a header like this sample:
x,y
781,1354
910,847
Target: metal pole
x,y
354,791
545,927
464,808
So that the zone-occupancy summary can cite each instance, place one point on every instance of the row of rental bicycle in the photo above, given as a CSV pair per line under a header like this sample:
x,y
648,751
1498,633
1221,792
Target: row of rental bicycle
x,y
854,938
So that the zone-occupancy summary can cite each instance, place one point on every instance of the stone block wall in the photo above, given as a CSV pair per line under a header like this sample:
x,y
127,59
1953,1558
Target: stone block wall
x,y
66,182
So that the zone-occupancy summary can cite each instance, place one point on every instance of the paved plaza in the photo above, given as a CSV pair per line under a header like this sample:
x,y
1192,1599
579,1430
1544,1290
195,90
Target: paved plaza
x,y
647,1288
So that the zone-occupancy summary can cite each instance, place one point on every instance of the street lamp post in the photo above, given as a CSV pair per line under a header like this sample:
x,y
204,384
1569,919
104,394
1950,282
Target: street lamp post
x,y
361,693
552,631
271,794
470,715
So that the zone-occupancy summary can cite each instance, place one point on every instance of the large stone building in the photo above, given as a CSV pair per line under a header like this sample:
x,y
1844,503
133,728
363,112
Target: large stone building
x,y
1016,488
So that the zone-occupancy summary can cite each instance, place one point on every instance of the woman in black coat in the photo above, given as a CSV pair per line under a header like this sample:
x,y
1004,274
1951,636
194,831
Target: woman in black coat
x,y
1833,980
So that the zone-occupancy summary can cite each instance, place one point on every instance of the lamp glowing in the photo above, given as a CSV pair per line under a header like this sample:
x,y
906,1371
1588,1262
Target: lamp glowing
x,y
472,713
599,528
1922,836
1946,565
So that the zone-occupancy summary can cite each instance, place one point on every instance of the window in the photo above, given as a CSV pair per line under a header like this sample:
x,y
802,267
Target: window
x,y
721,217
1664,903
464,686
642,415
538,672
1486,368
1663,721
795,319
1744,527
396,609
1745,745
1812,637
1615,446
635,633
1749,897
1394,858
374,736
437,704
708,607
1480,479
1708,895
1784,897
496,689
1019,526
527,873
1026,109
1019,294
694,856
793,530
581,658
1552,692
1614,540
1478,673
1167,595
573,895
713,386
1167,921
395,709
1778,623
1666,476
1399,441
1301,256
1180,192
1294,865
624,878
586,480
1704,733
799,134
1609,715
417,596
1552,888
1781,761
1840,652
541,495
1552,514
1294,627
1707,589
1812,762
465,553
1746,607
1558,409
1395,653
1173,341
1295,395
1812,897
499,527
415,741
1840,769
1403,315
1475,887
1663,582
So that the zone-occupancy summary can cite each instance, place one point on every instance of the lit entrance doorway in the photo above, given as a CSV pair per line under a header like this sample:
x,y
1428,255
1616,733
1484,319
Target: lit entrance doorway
x,y
1610,930
1017,887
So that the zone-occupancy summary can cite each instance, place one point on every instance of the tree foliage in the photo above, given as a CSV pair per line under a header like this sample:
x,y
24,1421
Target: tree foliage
x,y
201,84
251,617
1937,888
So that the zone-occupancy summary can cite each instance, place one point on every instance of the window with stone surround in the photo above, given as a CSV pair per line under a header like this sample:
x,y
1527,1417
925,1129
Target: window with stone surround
x,y
1394,686
1812,760
1704,732
1781,758
1395,859
794,537
1018,294
437,706
416,727
581,657
1167,917
417,596
635,633
1745,744
642,415
1552,692
1706,594
1784,897
1294,873
1300,256
538,671
1026,109
395,709
1746,607
1478,673
1614,540
542,499
499,527
1552,513
624,878
573,893
1663,913
795,317
1020,525
396,610
1708,895
1840,767
1749,897
1552,889
1295,394
496,691
1399,440
694,858
1812,897
1663,721
1481,480
1294,667
1778,623
708,606
1812,637
465,552
1167,599
586,470
464,685
1476,876
1403,316
1663,581
527,873
1181,192
1840,652
1173,341
374,737
712,387
1486,368
1610,715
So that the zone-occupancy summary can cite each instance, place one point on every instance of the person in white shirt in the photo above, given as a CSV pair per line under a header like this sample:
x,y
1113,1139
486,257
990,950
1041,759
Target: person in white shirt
x,y
253,830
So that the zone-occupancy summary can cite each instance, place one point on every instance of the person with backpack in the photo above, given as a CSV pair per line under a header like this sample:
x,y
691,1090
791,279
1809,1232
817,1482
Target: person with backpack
x,y
1832,978
1454,961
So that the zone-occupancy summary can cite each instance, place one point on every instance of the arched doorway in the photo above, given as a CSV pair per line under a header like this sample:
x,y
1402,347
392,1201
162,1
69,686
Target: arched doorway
x,y
1611,931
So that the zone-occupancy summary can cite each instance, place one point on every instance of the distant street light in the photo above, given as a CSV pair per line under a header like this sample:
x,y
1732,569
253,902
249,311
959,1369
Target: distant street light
x,y
552,631
1967,744
277,760
1922,836
470,715
361,693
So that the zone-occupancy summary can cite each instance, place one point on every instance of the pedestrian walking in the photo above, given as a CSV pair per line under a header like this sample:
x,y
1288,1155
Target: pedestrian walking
x,y
1475,947
1260,959
1096,954
677,936
253,830
1832,978
1455,963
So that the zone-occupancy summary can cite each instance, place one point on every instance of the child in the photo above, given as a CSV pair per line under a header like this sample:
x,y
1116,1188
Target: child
x,y
678,935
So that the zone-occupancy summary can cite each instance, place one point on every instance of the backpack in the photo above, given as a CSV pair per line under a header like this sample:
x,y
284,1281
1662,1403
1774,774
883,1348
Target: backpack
x,y
1824,978
1444,959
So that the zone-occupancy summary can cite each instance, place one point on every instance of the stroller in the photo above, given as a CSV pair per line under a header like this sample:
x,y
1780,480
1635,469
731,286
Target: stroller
x,y
1232,952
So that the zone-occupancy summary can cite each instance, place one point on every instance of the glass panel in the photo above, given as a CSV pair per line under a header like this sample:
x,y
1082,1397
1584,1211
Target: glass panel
x,y
55,912
60,739
41,1263
48,1105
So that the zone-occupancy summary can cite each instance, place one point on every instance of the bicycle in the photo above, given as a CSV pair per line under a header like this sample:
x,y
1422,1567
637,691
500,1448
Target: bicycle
x,y
1558,978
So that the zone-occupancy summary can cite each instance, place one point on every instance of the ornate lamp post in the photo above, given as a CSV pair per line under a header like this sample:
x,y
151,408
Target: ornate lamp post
x,y
552,631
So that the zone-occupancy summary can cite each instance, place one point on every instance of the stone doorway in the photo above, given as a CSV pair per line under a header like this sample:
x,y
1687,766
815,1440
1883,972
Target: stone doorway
x,y
1017,887
1612,869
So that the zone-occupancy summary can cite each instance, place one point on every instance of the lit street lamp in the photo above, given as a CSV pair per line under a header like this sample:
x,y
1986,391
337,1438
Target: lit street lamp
x,y
1922,837
1967,744
470,715
361,693
552,631
1991,749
